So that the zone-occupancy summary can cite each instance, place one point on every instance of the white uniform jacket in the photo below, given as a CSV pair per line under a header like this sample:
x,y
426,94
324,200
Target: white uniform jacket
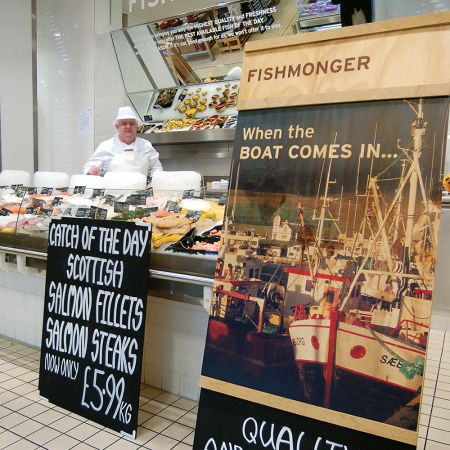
x,y
108,149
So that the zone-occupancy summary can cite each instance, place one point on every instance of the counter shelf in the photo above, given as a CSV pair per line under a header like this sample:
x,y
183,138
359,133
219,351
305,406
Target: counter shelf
x,y
160,115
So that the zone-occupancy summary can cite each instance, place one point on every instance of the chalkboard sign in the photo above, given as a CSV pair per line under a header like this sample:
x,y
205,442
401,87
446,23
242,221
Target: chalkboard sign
x,y
94,318
225,422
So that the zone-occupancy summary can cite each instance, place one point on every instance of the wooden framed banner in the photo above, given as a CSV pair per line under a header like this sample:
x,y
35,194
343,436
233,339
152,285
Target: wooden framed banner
x,y
94,319
392,59
322,298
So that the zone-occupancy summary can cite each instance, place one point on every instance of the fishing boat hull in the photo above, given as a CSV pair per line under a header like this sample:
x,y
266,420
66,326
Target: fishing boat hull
x,y
367,367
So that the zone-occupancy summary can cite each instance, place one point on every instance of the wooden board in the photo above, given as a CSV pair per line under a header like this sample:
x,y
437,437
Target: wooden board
x,y
386,60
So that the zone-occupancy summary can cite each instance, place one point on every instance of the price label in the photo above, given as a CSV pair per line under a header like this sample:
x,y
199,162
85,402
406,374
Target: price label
x,y
46,191
133,199
99,193
109,200
193,215
32,190
172,206
120,207
83,212
98,213
5,212
188,193
57,201
45,212
31,210
147,192
79,189
223,199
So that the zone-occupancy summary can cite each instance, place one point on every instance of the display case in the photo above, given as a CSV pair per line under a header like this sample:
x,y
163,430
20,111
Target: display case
x,y
26,215
201,106
317,14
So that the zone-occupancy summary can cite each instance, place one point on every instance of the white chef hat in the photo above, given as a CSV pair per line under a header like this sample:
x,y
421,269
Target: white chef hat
x,y
126,112
234,74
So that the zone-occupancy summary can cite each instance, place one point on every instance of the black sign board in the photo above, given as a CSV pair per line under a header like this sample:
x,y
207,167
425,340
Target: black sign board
x,y
232,423
79,189
94,319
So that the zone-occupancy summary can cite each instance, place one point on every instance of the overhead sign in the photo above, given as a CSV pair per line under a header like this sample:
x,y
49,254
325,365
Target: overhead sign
x,y
391,59
154,10
94,318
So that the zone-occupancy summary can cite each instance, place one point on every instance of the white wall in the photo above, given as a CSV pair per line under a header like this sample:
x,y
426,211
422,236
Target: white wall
x,y
16,85
76,69
395,9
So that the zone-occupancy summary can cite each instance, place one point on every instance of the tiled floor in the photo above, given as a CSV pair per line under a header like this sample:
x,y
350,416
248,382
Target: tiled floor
x,y
165,421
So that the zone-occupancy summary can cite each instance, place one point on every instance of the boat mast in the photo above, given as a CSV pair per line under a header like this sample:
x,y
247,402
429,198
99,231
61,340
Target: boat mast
x,y
418,130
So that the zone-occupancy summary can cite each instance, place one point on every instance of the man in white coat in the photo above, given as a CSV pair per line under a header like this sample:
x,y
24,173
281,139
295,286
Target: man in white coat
x,y
124,152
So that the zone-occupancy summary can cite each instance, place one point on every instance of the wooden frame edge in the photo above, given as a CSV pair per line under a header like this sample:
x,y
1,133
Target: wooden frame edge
x,y
310,411
406,23
431,90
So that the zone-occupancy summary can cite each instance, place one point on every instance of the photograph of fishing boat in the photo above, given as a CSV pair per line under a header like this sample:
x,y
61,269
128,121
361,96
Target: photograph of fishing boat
x,y
324,282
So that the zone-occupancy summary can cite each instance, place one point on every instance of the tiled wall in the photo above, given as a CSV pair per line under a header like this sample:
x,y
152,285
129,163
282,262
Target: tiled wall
x,y
21,306
175,336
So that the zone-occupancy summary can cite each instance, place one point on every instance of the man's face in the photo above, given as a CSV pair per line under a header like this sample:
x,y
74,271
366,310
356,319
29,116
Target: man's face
x,y
127,129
